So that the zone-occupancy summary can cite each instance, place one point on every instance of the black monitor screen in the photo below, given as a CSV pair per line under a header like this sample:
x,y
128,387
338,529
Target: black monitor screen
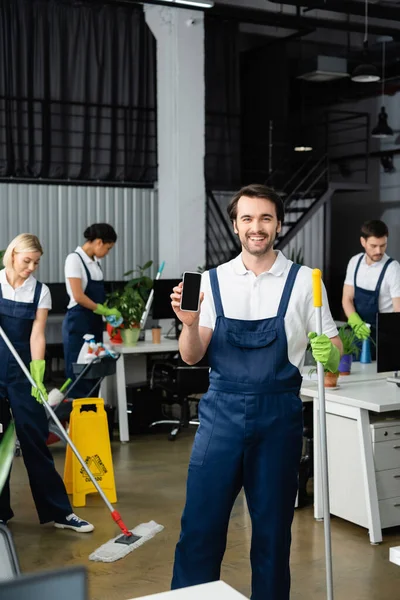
x,y
387,343
161,307
62,584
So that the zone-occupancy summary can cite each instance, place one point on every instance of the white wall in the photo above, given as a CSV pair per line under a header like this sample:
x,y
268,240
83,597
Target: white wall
x,y
59,214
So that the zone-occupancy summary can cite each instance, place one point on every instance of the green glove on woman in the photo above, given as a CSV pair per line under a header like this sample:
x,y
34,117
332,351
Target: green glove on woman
x,y
37,368
107,312
361,329
324,351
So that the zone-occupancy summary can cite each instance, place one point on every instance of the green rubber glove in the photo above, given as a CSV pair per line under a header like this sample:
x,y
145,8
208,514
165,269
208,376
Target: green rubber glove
x,y
361,329
106,312
324,351
37,368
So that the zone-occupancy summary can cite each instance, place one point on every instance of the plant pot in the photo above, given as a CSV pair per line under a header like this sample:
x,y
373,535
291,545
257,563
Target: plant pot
x,y
114,334
130,336
331,379
345,364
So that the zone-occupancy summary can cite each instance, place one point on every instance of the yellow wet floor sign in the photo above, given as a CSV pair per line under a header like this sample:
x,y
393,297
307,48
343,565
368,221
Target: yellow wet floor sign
x,y
88,430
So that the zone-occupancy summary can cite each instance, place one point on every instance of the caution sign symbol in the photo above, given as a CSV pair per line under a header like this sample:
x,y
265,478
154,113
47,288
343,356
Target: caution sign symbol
x,y
96,467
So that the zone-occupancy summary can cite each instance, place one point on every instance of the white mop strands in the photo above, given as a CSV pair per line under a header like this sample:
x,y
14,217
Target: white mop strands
x,y
114,550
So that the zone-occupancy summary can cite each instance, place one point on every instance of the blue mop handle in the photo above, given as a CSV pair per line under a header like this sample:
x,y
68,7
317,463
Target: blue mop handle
x,y
150,299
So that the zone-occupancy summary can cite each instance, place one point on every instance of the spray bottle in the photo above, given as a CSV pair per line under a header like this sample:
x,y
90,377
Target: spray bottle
x,y
365,357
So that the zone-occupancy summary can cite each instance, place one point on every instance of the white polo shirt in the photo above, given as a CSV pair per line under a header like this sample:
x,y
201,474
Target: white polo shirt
x,y
368,275
245,296
74,268
25,292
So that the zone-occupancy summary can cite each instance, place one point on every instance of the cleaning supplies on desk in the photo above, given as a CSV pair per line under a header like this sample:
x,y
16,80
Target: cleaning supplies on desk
x,y
365,357
114,321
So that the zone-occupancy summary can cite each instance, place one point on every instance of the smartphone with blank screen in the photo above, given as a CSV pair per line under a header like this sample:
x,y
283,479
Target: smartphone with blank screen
x,y
190,299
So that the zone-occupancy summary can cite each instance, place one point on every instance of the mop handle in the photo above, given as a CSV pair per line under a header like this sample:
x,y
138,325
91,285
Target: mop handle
x,y
52,414
150,298
317,296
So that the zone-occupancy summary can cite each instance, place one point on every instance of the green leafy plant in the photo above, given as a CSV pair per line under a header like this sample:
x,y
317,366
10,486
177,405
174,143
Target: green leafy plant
x,y
349,340
2,252
297,257
131,299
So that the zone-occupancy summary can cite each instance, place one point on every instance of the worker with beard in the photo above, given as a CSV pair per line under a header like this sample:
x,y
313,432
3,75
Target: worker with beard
x,y
372,283
256,312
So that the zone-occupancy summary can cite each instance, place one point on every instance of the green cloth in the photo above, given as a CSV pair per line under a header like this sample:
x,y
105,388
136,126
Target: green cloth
x,y
37,368
324,351
106,312
361,329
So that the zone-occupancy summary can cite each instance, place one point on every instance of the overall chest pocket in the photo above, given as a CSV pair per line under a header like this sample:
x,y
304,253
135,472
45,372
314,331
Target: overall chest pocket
x,y
251,339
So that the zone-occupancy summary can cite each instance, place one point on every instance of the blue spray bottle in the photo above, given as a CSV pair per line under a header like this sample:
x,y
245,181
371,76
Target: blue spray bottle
x,y
365,357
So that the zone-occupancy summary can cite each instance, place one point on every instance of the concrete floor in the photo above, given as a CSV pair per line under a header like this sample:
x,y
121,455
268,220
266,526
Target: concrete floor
x,y
151,475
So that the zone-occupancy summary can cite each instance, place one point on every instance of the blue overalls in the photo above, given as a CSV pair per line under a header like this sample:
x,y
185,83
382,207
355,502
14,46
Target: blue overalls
x,y
48,491
366,302
78,321
250,436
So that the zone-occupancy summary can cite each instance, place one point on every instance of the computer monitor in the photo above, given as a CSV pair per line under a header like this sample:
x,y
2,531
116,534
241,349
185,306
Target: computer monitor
x,y
387,342
161,307
60,584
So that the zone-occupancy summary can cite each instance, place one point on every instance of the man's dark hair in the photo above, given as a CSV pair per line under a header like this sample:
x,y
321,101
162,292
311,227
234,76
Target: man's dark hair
x,y
257,190
374,228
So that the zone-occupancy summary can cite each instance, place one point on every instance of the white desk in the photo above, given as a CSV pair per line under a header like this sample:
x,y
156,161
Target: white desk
x,y
353,483
217,590
115,387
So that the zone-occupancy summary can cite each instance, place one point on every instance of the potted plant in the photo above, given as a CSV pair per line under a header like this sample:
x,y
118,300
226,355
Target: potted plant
x,y
350,348
130,300
330,379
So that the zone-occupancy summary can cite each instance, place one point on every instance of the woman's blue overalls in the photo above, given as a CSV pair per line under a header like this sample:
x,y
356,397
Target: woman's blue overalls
x,y
51,500
79,321
250,436
366,302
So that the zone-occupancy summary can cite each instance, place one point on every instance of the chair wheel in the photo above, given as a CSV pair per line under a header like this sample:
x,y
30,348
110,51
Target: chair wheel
x,y
171,437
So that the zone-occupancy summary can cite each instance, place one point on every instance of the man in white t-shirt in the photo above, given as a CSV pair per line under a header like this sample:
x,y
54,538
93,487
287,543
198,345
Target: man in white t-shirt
x,y
255,316
372,283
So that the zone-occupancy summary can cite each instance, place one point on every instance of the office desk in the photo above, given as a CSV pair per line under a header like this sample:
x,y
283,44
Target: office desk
x,y
362,490
217,590
134,357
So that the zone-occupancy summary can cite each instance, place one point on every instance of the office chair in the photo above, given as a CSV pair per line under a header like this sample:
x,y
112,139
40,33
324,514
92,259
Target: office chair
x,y
180,382
9,565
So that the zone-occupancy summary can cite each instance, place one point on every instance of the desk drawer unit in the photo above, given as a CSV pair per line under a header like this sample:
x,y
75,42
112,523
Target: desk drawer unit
x,y
386,448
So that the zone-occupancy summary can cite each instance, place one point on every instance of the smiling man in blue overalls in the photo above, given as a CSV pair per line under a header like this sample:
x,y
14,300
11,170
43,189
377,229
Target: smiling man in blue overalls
x,y
372,283
255,315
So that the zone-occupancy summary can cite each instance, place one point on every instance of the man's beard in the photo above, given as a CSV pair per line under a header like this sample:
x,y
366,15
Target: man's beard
x,y
375,257
258,251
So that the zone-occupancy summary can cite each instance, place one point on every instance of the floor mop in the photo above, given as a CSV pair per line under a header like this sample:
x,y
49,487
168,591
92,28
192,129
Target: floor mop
x,y
317,294
7,449
130,539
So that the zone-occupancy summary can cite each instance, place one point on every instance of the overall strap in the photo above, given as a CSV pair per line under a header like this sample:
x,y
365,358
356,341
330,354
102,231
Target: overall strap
x,y
382,275
216,293
36,297
287,290
85,267
1,291
356,271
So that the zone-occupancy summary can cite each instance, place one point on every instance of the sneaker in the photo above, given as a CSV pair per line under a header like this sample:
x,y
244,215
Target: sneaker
x,y
75,523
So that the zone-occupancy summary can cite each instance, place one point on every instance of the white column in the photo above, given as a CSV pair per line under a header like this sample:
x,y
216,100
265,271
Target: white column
x,y
180,106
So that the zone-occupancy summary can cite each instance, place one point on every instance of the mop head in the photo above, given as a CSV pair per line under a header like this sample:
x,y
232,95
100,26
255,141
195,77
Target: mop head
x,y
120,546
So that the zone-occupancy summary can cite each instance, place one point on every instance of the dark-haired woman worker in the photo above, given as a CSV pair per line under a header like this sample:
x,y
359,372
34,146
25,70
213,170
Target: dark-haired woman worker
x,y
85,287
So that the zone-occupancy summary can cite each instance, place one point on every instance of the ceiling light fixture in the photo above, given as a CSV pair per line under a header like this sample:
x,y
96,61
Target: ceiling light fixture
x,y
194,3
382,130
366,72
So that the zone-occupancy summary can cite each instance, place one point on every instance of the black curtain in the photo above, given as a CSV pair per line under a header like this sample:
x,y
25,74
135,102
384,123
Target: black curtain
x,y
222,136
77,91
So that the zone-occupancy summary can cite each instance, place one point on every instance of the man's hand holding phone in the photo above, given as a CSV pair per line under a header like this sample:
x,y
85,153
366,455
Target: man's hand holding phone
x,y
186,300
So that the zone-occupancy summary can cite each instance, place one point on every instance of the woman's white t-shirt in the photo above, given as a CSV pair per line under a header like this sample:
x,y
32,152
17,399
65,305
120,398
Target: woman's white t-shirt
x,y
75,269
